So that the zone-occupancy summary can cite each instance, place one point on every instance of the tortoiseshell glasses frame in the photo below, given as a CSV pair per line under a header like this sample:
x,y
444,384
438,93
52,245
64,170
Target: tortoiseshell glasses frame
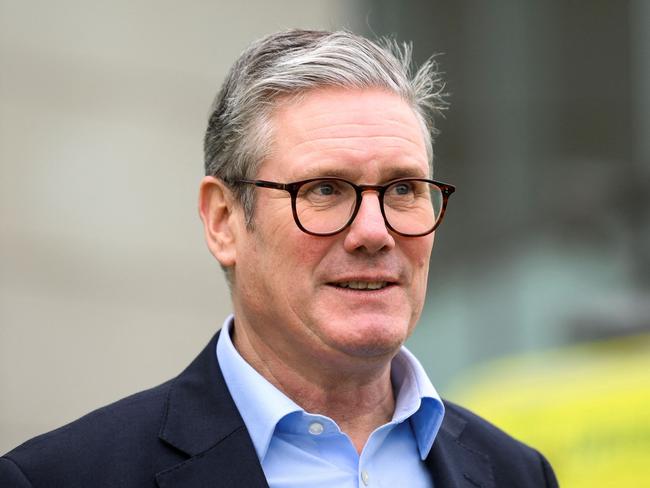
x,y
441,191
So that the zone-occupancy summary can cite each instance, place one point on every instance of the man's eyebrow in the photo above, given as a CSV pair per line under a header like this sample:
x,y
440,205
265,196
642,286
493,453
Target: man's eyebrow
x,y
319,172
349,173
397,172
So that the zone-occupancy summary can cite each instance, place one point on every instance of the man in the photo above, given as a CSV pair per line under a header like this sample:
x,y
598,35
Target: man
x,y
318,204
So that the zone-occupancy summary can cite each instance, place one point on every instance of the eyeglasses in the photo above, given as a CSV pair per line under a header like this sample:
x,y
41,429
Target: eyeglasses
x,y
412,207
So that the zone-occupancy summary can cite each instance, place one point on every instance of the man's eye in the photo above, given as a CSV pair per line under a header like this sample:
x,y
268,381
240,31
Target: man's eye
x,y
321,189
402,189
324,189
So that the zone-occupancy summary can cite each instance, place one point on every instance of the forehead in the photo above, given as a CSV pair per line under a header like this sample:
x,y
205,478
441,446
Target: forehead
x,y
336,131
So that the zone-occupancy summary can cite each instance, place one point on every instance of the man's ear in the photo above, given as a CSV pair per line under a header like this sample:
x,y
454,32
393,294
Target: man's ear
x,y
218,210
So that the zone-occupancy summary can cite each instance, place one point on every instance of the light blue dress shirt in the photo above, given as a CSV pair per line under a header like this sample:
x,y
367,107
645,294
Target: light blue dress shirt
x,y
300,449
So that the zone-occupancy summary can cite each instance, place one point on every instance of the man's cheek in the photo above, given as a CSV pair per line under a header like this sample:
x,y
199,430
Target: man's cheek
x,y
310,252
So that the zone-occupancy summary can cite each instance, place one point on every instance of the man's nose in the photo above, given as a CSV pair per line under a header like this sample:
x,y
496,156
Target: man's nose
x,y
368,231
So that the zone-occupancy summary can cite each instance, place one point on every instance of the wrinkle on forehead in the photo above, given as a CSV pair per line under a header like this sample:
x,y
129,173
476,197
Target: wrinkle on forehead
x,y
330,121
348,142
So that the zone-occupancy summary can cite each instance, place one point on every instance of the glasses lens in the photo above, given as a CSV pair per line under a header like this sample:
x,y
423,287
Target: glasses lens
x,y
413,207
325,206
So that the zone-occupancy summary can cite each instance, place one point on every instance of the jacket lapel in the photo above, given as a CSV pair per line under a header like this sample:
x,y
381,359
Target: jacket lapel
x,y
202,421
228,464
454,465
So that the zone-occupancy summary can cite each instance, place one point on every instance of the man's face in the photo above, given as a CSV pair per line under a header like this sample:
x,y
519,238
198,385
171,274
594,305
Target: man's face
x,y
287,287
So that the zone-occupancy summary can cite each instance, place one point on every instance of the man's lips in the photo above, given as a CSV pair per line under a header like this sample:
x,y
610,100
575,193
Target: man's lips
x,y
364,284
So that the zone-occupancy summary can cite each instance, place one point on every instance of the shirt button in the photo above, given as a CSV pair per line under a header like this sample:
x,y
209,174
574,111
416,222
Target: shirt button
x,y
316,428
365,478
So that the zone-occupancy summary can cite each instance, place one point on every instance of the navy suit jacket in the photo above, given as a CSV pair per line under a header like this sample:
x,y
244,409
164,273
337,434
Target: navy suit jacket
x,y
188,433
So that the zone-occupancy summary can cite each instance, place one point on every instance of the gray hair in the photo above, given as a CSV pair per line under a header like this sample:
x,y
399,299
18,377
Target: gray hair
x,y
290,63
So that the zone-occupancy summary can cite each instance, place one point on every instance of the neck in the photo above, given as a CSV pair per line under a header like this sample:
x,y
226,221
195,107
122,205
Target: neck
x,y
359,398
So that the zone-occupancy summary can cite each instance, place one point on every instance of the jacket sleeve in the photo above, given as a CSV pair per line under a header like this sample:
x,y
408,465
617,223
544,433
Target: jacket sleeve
x,y
11,476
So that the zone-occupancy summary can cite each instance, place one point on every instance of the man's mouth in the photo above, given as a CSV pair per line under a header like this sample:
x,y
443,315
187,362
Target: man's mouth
x,y
362,285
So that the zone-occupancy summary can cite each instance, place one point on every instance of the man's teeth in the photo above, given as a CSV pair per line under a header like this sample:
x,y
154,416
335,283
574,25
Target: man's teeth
x,y
363,285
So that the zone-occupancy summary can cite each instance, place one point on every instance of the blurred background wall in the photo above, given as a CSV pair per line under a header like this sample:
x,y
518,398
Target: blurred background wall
x,y
548,240
106,286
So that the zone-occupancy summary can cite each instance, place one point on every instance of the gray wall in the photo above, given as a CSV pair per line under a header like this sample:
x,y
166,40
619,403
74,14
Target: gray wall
x,y
106,286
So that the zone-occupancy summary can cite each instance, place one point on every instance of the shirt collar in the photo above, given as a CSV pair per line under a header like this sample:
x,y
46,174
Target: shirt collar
x,y
260,404
416,398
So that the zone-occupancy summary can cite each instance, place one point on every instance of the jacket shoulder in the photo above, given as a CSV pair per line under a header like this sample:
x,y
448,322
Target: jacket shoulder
x,y
122,437
512,461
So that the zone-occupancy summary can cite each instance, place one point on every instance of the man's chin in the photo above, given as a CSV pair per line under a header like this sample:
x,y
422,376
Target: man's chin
x,y
369,337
